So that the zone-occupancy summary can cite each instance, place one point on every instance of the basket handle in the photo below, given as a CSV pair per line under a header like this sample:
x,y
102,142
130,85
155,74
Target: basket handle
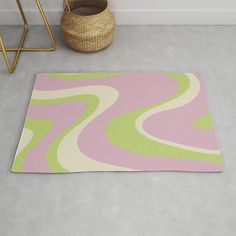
x,y
67,6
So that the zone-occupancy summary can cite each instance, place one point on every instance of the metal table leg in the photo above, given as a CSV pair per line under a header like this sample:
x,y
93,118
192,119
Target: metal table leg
x,y
20,48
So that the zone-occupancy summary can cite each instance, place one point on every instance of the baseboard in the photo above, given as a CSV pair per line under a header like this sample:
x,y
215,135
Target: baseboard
x,y
136,17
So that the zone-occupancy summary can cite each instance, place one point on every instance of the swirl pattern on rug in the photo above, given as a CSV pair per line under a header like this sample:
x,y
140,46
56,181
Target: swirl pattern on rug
x,y
118,122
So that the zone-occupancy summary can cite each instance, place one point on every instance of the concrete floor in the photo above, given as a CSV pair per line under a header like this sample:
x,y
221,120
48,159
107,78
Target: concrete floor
x,y
120,204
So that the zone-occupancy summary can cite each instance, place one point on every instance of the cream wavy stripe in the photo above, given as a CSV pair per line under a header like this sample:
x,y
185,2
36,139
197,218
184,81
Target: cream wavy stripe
x,y
68,154
185,98
26,137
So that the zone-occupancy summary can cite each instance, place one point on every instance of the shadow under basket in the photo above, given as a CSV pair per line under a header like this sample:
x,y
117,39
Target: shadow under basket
x,y
88,25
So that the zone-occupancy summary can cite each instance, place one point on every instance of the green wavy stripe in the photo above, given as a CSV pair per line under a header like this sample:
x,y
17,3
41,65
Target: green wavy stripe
x,y
40,128
205,122
123,133
81,76
91,102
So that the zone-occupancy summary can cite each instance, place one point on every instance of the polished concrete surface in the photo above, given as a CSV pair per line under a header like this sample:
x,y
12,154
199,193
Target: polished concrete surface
x,y
123,204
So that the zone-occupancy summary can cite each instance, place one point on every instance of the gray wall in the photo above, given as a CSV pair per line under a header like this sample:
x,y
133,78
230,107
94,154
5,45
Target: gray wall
x,y
138,11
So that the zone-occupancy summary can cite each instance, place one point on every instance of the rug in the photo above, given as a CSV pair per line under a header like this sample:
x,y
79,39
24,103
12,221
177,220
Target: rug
x,y
118,122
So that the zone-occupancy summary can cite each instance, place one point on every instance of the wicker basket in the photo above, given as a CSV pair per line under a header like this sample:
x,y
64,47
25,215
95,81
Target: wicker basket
x,y
88,25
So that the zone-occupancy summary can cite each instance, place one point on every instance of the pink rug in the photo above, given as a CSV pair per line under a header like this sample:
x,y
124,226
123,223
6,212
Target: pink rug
x,y
118,122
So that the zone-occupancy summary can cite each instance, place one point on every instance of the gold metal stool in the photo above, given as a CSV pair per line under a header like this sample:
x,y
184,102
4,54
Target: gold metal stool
x,y
11,67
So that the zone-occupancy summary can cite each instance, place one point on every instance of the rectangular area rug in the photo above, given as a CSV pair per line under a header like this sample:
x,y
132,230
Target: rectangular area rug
x,y
118,122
